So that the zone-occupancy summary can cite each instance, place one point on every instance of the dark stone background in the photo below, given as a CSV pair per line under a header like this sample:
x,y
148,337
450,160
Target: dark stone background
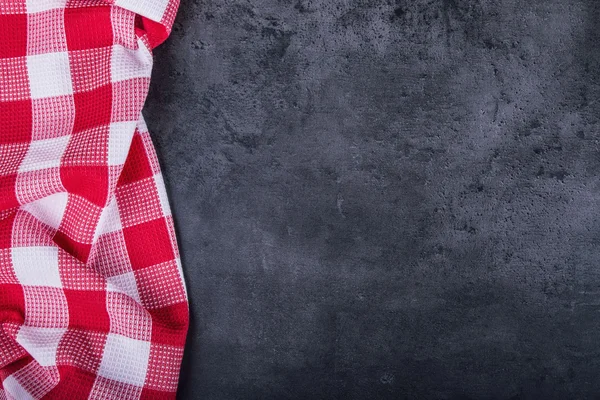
x,y
385,199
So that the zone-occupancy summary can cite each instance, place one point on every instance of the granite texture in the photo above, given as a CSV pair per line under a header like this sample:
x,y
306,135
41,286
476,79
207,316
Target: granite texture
x,y
385,199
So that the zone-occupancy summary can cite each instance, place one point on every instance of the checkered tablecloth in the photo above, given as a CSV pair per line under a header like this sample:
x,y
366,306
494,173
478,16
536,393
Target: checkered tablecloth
x,y
92,299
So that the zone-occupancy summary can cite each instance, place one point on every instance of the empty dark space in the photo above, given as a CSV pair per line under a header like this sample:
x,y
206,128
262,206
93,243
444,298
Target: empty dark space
x,y
385,199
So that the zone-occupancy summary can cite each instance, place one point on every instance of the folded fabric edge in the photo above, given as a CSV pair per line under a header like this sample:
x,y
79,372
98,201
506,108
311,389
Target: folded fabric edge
x,y
155,17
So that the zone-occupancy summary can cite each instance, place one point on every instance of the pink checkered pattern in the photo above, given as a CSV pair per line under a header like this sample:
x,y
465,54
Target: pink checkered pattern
x,y
92,299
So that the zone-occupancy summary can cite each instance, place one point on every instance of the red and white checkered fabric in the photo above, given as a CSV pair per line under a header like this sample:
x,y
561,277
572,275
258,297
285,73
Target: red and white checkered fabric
x,y
92,299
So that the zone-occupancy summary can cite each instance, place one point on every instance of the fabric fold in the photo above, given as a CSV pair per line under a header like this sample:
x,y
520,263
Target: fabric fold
x,y
92,298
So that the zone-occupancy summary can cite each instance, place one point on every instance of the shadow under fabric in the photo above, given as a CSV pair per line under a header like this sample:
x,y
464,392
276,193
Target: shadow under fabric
x,y
92,299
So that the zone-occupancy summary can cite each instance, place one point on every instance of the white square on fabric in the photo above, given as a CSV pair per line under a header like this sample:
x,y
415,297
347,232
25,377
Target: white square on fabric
x,y
110,220
36,266
125,359
128,64
124,283
41,343
14,389
43,154
153,9
50,209
35,6
49,75
119,141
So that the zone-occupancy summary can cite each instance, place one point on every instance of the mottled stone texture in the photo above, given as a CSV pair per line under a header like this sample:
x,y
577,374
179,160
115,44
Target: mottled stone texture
x,y
385,199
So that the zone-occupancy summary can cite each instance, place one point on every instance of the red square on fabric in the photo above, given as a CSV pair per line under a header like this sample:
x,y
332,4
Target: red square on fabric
x,y
12,303
148,243
87,310
136,165
74,383
90,182
88,27
163,368
151,394
8,194
16,366
13,31
80,251
93,108
160,285
168,323
15,121
6,228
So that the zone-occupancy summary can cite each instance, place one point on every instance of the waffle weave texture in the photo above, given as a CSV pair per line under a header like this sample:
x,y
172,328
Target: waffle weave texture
x,y
92,299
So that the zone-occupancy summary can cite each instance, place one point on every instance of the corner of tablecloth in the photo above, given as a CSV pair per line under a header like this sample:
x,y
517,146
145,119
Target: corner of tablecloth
x,y
155,17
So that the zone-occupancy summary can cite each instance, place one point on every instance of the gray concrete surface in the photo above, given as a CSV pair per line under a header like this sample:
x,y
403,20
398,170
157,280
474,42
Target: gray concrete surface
x,y
385,199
